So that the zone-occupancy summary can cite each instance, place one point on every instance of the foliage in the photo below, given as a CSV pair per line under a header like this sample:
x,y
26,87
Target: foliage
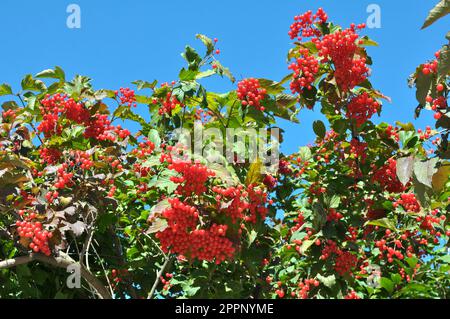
x,y
364,209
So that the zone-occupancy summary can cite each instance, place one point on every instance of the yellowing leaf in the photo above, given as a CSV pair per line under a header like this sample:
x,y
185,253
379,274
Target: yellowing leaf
x,y
441,177
254,173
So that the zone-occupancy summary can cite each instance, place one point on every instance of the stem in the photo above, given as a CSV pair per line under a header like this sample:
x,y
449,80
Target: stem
x,y
158,275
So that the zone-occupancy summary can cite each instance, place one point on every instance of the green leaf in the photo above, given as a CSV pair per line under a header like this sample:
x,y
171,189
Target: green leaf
x,y
30,84
444,61
272,87
387,284
319,129
424,170
328,281
305,153
251,237
383,222
144,84
207,42
334,202
221,70
5,89
423,85
187,75
192,57
405,169
56,73
153,136
366,41
205,74
439,11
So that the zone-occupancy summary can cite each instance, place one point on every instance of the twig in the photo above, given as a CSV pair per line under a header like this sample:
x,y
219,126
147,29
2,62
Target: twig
x,y
158,275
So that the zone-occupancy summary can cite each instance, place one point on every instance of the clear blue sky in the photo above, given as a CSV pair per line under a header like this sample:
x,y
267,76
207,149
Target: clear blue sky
x,y
122,41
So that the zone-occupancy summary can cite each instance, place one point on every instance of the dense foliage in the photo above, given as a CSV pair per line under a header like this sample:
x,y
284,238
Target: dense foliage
x,y
361,213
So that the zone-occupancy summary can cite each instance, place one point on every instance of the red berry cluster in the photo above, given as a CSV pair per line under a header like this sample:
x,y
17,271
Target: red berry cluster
x,y
392,133
182,236
438,104
33,230
166,281
305,69
352,295
60,105
235,202
98,128
432,66
303,24
409,202
51,196
283,168
305,287
145,148
168,104
83,159
270,181
49,156
333,215
386,176
345,261
193,177
359,149
64,178
127,97
9,115
341,48
361,108
250,93
425,135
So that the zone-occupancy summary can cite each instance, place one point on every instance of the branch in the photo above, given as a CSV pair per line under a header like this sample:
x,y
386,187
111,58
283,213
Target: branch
x,y
63,261
158,276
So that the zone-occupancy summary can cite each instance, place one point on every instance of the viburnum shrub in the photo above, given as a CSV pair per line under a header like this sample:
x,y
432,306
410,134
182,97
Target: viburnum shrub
x,y
361,212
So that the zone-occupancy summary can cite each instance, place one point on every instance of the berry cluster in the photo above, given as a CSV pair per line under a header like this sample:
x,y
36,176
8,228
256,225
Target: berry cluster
x,y
182,236
361,108
303,24
83,159
409,202
51,196
250,93
9,115
168,104
358,149
432,66
341,48
49,156
127,97
60,105
305,287
333,215
145,148
386,176
30,230
305,69
193,177
270,181
64,178
352,295
345,262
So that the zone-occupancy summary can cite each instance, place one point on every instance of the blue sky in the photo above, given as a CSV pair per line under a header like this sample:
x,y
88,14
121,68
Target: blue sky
x,y
122,41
